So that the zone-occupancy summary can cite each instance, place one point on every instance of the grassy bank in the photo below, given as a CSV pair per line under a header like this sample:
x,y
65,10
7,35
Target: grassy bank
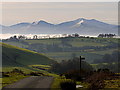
x,y
11,79
16,76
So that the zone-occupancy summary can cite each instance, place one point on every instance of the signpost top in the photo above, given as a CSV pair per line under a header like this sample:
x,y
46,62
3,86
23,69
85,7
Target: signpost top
x,y
82,58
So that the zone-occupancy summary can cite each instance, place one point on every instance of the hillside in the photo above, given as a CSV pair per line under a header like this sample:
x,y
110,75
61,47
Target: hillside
x,y
14,56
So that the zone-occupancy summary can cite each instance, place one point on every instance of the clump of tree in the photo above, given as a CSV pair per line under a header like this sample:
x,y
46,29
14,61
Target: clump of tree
x,y
109,58
21,37
75,35
106,35
14,38
114,67
110,61
71,69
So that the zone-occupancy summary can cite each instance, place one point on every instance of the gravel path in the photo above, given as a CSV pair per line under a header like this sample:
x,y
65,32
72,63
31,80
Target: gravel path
x,y
31,83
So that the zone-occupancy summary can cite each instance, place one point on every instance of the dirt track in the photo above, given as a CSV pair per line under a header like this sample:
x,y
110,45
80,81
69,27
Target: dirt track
x,y
33,82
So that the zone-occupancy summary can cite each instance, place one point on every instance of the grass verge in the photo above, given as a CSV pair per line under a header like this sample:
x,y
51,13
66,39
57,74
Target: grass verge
x,y
12,79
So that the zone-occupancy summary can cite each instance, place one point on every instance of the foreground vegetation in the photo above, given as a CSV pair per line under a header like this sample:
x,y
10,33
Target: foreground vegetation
x,y
27,61
100,79
88,77
97,81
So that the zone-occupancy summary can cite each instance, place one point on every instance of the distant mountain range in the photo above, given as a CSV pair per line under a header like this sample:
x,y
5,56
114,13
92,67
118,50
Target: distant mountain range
x,y
81,26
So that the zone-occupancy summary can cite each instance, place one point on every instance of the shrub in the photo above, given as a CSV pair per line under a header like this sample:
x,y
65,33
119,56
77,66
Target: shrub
x,y
5,74
68,85
36,74
76,74
97,79
17,71
95,85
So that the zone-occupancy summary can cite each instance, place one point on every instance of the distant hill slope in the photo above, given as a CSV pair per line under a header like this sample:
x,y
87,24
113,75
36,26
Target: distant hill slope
x,y
14,56
66,48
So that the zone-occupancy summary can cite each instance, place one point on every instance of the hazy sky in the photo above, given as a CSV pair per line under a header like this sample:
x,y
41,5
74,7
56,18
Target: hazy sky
x,y
57,12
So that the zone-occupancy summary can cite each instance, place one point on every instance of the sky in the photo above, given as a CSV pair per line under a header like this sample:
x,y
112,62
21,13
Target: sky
x,y
57,12
60,0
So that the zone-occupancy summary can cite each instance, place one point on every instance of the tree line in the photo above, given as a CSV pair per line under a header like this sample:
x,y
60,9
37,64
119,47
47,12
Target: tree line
x,y
106,35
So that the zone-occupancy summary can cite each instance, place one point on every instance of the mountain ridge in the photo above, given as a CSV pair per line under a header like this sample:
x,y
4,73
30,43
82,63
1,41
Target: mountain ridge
x,y
80,25
55,24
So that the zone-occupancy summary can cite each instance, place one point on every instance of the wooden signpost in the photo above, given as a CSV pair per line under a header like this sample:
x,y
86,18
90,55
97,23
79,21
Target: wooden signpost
x,y
80,63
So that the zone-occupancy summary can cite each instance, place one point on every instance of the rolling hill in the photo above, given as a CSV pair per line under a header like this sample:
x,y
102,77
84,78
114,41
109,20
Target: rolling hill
x,y
66,48
14,56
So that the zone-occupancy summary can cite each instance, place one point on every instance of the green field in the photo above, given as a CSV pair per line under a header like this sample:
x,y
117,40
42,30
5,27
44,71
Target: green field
x,y
78,42
24,69
58,56
95,41
43,41
17,44
64,48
